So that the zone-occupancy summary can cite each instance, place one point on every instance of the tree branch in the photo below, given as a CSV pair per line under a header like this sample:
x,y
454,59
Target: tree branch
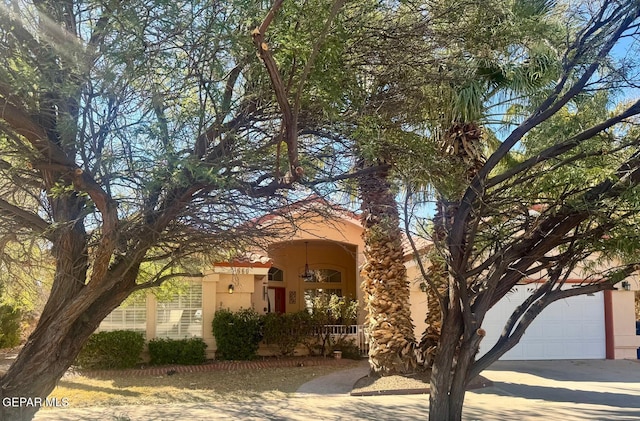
x,y
335,8
563,147
548,108
159,280
416,252
25,218
22,124
288,116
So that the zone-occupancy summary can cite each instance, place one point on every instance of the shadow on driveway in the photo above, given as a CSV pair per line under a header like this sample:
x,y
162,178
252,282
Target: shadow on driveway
x,y
560,394
600,371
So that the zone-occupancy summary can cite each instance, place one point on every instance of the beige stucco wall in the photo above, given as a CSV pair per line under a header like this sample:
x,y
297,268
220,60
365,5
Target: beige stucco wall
x,y
417,299
151,315
259,299
343,230
210,284
625,340
247,293
244,287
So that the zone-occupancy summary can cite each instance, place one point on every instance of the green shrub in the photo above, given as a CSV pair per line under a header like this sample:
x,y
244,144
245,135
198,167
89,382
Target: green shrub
x,y
9,326
181,351
238,334
287,330
329,309
108,350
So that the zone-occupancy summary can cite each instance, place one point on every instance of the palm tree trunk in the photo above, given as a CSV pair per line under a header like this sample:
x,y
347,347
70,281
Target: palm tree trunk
x,y
437,272
388,322
462,144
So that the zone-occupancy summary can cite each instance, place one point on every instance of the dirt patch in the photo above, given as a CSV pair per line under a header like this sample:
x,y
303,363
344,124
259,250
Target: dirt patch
x,y
225,385
223,381
410,384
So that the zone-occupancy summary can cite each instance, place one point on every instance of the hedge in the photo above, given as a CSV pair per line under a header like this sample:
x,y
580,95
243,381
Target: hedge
x,y
287,330
111,350
238,334
177,351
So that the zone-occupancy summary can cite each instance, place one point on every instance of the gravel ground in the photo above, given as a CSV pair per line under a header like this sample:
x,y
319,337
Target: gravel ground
x,y
416,383
369,385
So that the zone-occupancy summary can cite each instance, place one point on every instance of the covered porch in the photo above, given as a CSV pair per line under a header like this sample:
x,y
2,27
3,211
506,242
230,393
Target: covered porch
x,y
301,270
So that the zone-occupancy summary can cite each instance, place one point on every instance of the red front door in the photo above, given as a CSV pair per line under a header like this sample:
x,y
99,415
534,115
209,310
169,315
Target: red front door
x,y
277,303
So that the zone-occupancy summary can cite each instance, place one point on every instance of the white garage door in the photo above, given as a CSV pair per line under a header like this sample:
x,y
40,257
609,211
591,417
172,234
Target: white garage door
x,y
567,329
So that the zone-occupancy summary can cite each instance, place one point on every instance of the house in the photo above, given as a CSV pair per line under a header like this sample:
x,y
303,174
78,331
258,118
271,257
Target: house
x,y
323,255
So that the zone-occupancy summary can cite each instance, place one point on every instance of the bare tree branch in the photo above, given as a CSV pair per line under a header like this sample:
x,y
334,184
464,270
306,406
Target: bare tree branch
x,y
26,219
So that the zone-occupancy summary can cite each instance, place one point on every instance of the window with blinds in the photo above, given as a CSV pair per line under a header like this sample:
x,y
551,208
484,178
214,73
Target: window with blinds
x,y
181,317
129,316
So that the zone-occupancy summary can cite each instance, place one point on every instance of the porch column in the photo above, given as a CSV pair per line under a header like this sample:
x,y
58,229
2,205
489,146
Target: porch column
x,y
151,304
209,300
622,328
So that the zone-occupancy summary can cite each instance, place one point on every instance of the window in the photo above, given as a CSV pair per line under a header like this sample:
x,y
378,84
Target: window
x,y
181,317
323,284
325,275
311,295
275,274
131,315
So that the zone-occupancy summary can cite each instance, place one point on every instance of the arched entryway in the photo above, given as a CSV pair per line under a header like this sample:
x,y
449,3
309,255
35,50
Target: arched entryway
x,y
331,266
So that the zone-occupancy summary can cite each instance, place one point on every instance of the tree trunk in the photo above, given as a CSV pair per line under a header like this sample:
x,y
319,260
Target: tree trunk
x,y
444,363
453,356
53,347
449,373
462,144
437,272
465,357
388,322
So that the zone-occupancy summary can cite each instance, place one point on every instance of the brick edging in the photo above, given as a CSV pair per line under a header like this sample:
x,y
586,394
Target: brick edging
x,y
219,366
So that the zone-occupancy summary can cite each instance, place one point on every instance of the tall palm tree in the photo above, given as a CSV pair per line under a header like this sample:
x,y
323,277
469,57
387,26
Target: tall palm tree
x,y
463,141
386,289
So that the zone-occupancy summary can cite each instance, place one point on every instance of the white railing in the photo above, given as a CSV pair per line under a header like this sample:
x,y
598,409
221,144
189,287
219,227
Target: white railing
x,y
355,332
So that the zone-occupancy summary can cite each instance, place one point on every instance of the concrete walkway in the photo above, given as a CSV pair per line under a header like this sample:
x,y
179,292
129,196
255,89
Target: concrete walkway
x,y
550,390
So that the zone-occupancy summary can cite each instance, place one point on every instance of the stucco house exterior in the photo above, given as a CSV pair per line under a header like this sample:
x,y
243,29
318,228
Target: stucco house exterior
x,y
330,246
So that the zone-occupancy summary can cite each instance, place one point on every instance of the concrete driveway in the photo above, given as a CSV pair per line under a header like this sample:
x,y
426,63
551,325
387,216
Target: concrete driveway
x,y
558,390
523,390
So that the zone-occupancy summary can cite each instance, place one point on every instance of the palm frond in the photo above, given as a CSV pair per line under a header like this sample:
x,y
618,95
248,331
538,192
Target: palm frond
x,y
533,8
